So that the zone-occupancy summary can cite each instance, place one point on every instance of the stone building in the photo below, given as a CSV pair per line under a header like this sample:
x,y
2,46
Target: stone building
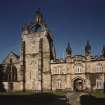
x,y
38,69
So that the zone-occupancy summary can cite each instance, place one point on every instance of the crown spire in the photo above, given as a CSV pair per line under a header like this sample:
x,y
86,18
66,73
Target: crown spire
x,y
88,48
39,16
68,50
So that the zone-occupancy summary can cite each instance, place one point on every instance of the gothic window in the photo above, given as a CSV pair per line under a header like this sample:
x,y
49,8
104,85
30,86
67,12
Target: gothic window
x,y
99,84
11,73
78,68
99,68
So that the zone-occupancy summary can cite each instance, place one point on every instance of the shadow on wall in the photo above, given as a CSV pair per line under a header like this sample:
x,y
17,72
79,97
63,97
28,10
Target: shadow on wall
x,y
91,100
36,99
2,88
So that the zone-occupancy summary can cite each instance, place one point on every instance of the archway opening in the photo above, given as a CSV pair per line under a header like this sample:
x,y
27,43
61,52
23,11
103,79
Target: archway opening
x,y
78,85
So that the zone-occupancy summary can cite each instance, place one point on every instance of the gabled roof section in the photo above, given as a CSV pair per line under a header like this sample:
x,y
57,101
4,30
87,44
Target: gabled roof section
x,y
12,55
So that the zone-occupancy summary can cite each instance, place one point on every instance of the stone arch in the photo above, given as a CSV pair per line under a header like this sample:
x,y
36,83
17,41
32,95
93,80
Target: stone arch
x,y
78,83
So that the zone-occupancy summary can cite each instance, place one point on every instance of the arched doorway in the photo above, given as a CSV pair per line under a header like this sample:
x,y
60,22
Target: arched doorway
x,y
78,84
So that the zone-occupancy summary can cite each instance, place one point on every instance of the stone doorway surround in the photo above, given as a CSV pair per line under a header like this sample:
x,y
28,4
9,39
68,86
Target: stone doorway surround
x,y
78,84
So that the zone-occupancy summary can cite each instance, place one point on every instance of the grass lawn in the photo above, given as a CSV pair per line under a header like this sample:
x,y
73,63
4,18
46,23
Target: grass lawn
x,y
60,92
17,93
98,94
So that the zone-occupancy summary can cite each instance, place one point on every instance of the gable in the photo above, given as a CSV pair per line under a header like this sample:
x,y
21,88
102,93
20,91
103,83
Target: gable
x,y
11,55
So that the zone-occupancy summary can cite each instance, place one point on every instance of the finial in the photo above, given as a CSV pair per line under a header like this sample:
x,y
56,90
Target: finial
x,y
39,16
68,50
103,51
87,48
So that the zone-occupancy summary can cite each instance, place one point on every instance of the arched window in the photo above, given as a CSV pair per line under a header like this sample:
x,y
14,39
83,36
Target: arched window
x,y
14,73
78,68
11,72
99,67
